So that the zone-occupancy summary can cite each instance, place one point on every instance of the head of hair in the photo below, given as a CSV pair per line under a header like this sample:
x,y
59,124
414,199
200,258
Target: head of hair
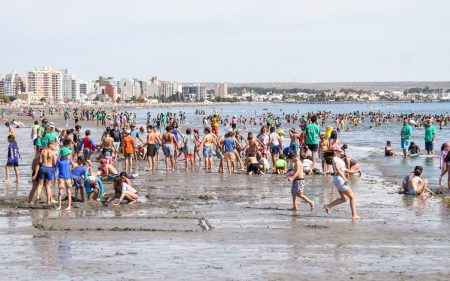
x,y
123,174
344,147
292,154
88,132
418,170
207,130
272,129
333,135
77,127
282,156
388,142
118,183
313,118
188,131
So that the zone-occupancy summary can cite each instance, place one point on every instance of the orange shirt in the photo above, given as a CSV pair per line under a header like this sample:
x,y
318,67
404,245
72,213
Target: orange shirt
x,y
128,144
11,131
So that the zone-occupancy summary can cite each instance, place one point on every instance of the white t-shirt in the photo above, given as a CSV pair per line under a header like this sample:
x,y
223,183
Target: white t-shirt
x,y
274,139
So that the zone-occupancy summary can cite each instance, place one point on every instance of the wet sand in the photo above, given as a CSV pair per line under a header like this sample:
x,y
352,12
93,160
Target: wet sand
x,y
192,225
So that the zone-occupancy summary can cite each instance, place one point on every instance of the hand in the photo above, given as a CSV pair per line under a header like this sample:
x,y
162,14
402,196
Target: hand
x,y
290,179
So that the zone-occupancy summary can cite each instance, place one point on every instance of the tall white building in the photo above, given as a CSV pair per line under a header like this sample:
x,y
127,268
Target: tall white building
x,y
221,90
150,88
45,83
13,84
129,88
70,86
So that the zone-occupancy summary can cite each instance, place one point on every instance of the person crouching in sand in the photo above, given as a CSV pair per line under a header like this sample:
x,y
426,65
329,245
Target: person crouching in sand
x,y
341,183
414,184
122,190
298,182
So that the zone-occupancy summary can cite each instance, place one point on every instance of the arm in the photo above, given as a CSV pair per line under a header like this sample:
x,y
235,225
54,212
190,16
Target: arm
x,y
122,194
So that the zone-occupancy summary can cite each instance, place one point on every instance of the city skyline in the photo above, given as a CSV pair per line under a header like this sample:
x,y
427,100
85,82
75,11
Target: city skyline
x,y
254,41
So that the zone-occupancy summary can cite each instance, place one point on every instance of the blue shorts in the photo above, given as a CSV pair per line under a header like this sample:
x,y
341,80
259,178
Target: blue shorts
x,y
429,146
87,153
207,151
339,184
412,192
405,143
275,149
46,173
169,150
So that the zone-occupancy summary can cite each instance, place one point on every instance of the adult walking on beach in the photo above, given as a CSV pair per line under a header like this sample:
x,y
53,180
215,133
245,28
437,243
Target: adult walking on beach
x,y
430,136
406,134
312,139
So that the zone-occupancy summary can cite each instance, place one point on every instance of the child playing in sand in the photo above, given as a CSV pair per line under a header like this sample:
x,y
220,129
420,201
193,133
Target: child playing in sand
x,y
122,191
13,158
340,182
298,182
79,174
281,165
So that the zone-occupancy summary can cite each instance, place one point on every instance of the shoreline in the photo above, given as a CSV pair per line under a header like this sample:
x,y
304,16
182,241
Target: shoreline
x,y
211,104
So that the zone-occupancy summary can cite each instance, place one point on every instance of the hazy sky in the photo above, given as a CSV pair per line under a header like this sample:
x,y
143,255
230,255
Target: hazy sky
x,y
230,40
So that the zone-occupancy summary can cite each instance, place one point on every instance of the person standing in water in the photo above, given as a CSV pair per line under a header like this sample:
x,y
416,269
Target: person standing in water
x,y
406,134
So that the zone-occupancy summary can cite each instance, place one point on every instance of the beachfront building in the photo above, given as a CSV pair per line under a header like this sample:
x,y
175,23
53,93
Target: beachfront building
x,y
194,92
221,90
168,89
46,84
70,86
13,84
150,88
129,88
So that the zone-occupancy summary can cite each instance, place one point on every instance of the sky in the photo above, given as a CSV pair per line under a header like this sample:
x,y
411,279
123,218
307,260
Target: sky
x,y
230,41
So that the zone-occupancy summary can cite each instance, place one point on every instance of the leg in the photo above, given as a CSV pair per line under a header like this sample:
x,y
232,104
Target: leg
x,y
69,194
39,190
351,196
307,200
60,189
33,190
7,173
294,203
341,200
17,173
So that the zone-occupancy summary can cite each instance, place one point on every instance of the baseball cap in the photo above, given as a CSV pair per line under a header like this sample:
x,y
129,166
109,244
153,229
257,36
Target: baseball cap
x,y
336,147
65,151
195,129
51,124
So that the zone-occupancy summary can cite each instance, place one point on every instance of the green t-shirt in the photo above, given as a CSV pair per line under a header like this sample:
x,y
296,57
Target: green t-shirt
x,y
407,130
48,137
312,132
430,131
281,163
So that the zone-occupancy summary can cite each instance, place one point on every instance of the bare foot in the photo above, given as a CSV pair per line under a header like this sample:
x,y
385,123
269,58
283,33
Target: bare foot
x,y
327,209
59,208
312,205
356,217
68,209
293,209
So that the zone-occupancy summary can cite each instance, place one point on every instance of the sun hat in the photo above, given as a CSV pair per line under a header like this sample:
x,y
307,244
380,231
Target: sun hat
x,y
336,147
281,132
195,129
65,151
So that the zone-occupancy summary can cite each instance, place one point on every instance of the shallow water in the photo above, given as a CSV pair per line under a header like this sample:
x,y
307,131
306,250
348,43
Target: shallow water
x,y
253,236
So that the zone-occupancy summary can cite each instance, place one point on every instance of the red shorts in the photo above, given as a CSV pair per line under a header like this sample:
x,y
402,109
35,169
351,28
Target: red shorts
x,y
187,156
215,129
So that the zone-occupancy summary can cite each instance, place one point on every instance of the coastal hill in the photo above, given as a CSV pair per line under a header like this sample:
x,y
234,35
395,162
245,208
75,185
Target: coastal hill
x,y
371,86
